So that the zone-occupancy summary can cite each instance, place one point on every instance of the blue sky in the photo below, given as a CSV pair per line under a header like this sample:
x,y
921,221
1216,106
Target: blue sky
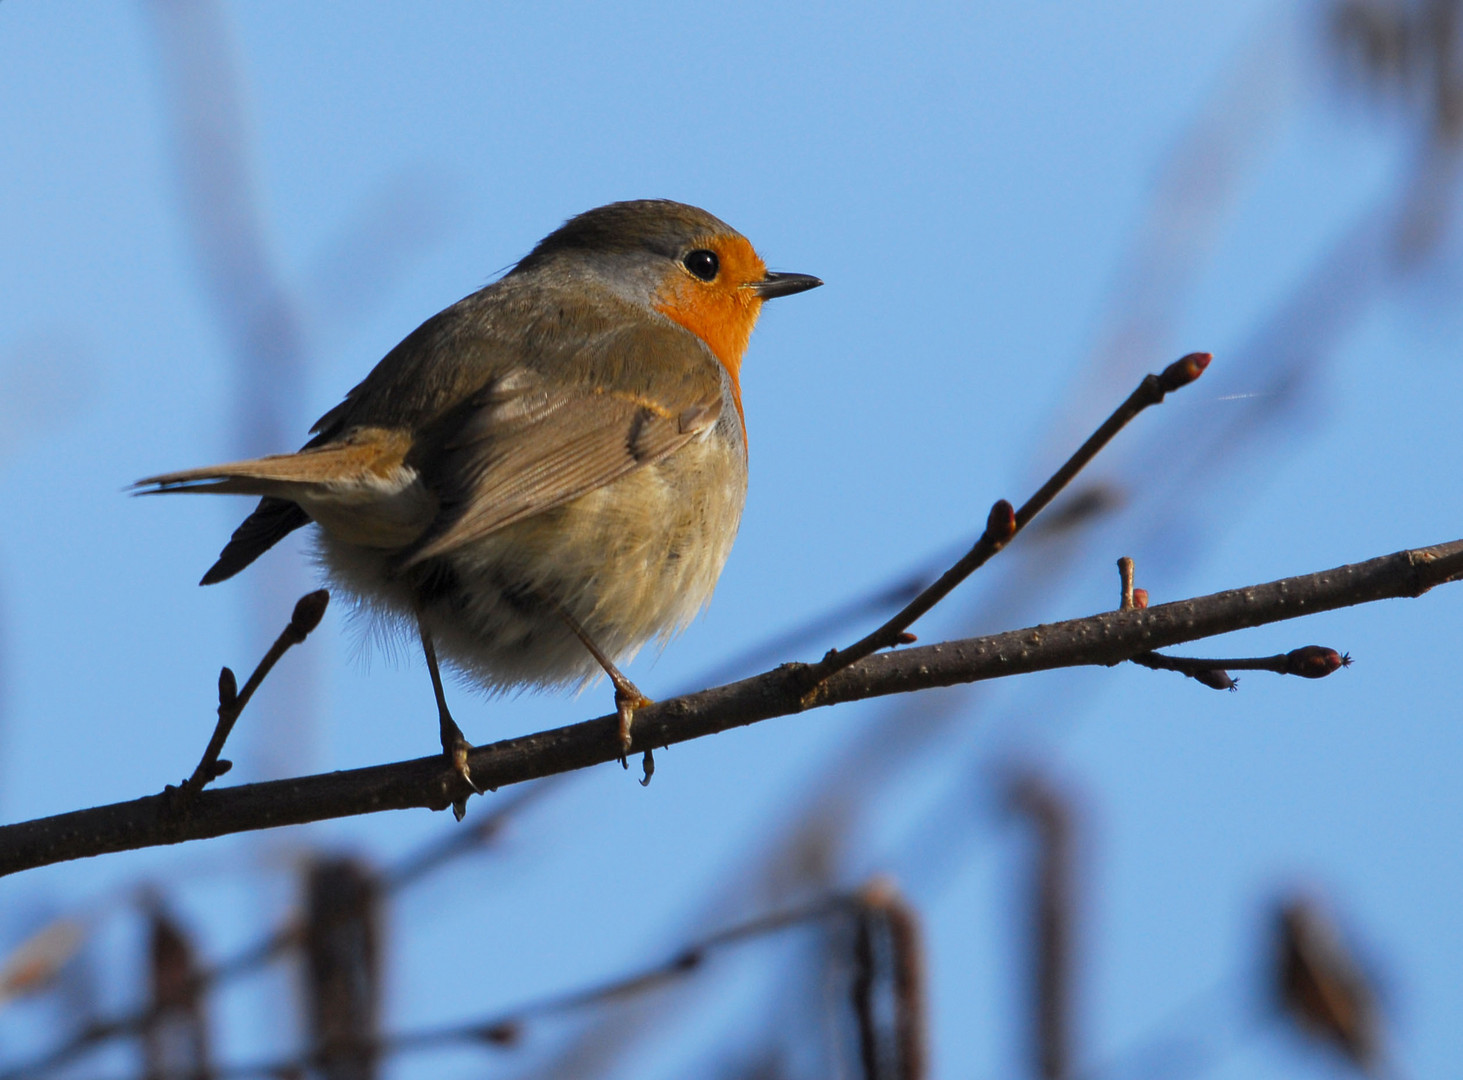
x,y
982,191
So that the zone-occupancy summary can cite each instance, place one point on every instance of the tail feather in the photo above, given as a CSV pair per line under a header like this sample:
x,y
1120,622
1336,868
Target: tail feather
x,y
357,486
270,475
272,520
366,454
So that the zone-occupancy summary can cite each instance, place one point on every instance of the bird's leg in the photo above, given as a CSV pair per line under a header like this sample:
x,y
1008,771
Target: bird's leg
x,y
628,697
455,746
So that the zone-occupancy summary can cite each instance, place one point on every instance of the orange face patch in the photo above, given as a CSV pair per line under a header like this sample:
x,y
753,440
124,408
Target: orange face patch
x,y
723,311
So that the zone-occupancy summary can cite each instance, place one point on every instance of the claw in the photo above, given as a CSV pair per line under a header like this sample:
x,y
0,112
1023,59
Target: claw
x,y
627,700
455,749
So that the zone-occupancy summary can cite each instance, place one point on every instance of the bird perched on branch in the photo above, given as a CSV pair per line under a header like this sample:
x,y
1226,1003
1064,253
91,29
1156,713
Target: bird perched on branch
x,y
547,474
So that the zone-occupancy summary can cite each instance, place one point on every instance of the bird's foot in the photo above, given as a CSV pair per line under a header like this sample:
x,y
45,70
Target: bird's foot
x,y
455,748
628,698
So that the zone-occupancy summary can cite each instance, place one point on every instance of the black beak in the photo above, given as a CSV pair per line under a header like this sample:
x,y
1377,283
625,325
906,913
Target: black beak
x,y
775,285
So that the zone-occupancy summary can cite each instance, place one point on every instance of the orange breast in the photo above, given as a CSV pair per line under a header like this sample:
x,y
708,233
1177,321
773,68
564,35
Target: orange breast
x,y
723,312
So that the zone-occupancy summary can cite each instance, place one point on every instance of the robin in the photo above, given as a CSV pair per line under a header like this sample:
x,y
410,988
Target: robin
x,y
547,474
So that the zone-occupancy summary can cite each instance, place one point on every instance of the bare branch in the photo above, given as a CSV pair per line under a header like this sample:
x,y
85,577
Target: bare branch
x,y
888,962
504,1030
42,955
1309,662
231,701
175,1040
342,952
1052,915
1004,523
1106,638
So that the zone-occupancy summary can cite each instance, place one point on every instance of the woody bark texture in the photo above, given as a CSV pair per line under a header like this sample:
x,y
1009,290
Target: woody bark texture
x,y
1105,639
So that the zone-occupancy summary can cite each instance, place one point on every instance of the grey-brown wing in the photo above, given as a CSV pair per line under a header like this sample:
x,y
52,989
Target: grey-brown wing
x,y
520,448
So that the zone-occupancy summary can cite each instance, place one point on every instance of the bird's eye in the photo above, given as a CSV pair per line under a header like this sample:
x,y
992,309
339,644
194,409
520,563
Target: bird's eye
x,y
704,264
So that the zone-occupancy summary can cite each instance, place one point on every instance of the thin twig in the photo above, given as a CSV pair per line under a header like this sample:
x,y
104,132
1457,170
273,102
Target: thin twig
x,y
1125,578
898,590
477,834
443,850
309,610
883,909
861,998
505,1029
175,1039
1309,662
1053,902
273,945
1104,639
1003,523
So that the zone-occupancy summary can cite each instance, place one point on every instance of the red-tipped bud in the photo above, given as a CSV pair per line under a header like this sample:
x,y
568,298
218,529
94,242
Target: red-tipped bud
x,y
1140,599
1000,523
1184,370
1214,678
906,638
309,611
1314,661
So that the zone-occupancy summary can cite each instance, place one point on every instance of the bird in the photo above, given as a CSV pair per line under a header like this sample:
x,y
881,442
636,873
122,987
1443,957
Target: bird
x,y
544,476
